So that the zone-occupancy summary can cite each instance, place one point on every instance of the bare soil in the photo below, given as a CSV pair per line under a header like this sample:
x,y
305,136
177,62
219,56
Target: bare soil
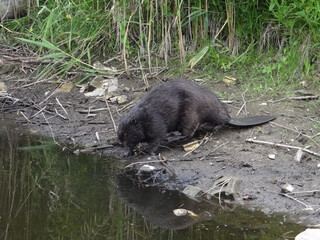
x,y
79,123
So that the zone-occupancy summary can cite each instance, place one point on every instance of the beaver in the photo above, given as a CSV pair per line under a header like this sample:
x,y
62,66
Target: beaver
x,y
178,105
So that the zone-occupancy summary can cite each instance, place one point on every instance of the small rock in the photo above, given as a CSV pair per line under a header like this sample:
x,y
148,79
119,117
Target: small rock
x,y
147,168
97,81
191,191
113,99
112,89
287,188
76,152
96,93
3,86
309,234
272,156
66,87
111,84
179,212
303,84
122,99
318,165
299,155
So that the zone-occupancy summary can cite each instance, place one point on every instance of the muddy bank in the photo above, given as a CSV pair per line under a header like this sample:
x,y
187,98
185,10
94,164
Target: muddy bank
x,y
87,124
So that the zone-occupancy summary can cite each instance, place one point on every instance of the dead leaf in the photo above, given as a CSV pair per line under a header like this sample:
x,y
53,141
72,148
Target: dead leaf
x,y
229,80
190,146
66,87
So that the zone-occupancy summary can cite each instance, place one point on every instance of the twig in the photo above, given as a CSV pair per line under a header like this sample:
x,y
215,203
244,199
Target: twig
x,y
311,97
251,140
40,111
25,117
215,149
51,94
221,29
224,183
92,110
34,83
306,205
61,106
60,115
52,133
310,191
113,122
279,125
244,104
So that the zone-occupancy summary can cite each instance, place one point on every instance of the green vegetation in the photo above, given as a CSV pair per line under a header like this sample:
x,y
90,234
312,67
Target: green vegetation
x,y
271,43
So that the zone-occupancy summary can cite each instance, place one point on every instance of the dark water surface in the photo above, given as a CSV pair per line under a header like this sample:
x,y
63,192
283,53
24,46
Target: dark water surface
x,y
47,193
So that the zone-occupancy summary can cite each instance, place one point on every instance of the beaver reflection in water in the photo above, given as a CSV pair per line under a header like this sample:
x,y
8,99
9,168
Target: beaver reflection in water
x,y
177,105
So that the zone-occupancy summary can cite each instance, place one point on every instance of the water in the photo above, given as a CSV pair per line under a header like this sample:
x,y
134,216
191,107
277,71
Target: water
x,y
47,193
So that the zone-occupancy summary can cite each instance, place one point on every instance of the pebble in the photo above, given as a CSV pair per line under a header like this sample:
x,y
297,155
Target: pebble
x,y
309,234
272,156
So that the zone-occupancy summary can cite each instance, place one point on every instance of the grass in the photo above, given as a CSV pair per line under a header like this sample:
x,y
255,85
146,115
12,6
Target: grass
x,y
277,40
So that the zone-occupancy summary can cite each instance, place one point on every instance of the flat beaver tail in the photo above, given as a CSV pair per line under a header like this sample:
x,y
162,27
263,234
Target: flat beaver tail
x,y
250,121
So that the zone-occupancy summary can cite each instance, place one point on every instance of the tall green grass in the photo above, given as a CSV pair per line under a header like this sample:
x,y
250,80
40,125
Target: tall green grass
x,y
282,36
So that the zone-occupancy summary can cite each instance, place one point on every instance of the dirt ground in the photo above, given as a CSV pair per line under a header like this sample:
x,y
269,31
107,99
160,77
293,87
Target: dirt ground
x,y
77,122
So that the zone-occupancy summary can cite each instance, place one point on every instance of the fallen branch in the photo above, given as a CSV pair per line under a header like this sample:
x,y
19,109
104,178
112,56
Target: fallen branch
x,y
61,106
111,116
243,105
310,97
297,200
251,140
60,115
302,134
310,191
92,110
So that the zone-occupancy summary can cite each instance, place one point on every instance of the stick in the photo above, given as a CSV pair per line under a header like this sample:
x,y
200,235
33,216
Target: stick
x,y
60,115
279,125
61,106
25,117
251,140
40,111
52,133
51,94
310,191
113,122
92,110
306,205
311,97
244,104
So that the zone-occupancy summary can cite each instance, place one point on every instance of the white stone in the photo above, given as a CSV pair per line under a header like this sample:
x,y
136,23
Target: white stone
x,y
309,234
